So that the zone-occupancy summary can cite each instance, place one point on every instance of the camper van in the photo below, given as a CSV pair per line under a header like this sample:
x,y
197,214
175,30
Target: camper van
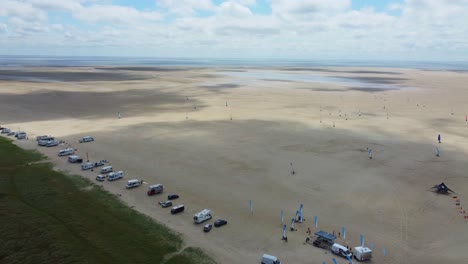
x,y
177,209
75,159
133,183
155,189
115,175
66,152
269,259
86,139
341,250
106,169
362,253
87,166
202,216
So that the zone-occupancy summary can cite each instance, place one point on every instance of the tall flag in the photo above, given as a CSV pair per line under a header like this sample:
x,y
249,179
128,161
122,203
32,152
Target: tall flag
x,y
343,231
282,217
292,223
251,206
284,230
384,252
350,260
316,221
362,240
334,261
371,245
300,213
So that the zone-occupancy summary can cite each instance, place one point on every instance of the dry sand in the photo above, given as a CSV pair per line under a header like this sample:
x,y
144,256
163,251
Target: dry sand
x,y
194,148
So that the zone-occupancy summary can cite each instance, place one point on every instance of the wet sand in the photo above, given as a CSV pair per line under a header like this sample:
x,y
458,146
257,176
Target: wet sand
x,y
177,130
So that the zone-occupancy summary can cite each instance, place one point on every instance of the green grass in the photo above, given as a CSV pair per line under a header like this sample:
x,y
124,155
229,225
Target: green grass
x,y
49,217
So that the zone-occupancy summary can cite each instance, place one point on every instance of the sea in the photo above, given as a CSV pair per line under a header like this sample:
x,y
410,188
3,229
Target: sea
x,y
71,61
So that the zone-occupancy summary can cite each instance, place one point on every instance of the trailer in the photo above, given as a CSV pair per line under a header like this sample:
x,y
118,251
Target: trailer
x,y
362,253
323,239
202,216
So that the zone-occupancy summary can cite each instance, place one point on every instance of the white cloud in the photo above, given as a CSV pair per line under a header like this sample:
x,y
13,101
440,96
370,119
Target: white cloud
x,y
186,7
115,14
234,9
23,10
308,8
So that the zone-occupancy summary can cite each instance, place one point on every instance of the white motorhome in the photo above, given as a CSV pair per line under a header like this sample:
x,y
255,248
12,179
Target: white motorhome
x,y
341,250
115,175
66,152
106,169
202,216
133,183
269,259
155,189
87,166
362,253
86,139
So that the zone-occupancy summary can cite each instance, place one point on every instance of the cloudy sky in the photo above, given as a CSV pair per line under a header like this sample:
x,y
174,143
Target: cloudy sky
x,y
284,29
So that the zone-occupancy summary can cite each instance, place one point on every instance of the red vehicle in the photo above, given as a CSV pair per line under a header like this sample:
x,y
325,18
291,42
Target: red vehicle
x,y
155,189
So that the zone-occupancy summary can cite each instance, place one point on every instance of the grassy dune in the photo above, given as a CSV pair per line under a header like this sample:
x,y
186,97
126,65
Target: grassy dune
x,y
49,217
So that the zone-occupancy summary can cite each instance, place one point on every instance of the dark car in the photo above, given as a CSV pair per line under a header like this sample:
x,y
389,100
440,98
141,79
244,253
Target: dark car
x,y
172,196
207,227
220,222
165,204
11,133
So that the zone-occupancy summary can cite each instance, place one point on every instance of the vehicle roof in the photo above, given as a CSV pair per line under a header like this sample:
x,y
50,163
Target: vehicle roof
x,y
363,249
178,206
325,235
270,257
339,246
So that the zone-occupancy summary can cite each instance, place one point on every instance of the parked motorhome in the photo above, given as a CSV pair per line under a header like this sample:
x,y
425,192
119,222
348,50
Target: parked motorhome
x,y
269,259
133,183
362,253
177,209
66,152
75,159
86,139
155,189
202,216
87,166
106,169
115,175
341,250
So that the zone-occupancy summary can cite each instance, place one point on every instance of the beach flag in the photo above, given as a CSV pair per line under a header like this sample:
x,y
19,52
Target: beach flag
x,y
297,214
284,230
437,152
251,206
343,231
349,259
369,152
292,223
334,261
282,217
361,237
371,246
300,213
316,221
384,252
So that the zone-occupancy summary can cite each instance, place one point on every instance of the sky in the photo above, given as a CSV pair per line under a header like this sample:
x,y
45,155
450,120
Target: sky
x,y
435,30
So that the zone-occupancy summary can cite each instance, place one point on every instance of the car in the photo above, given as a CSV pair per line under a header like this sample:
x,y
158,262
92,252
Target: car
x,y
220,222
11,133
86,139
52,143
165,204
172,196
207,227
101,177
100,163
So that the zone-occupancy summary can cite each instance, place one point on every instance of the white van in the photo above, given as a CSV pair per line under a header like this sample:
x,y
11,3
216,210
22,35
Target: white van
x,y
66,152
115,175
155,189
269,259
106,169
341,250
87,166
86,139
362,253
202,216
75,159
133,183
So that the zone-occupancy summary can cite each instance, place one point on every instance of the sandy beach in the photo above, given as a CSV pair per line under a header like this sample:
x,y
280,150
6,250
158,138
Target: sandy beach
x,y
221,136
